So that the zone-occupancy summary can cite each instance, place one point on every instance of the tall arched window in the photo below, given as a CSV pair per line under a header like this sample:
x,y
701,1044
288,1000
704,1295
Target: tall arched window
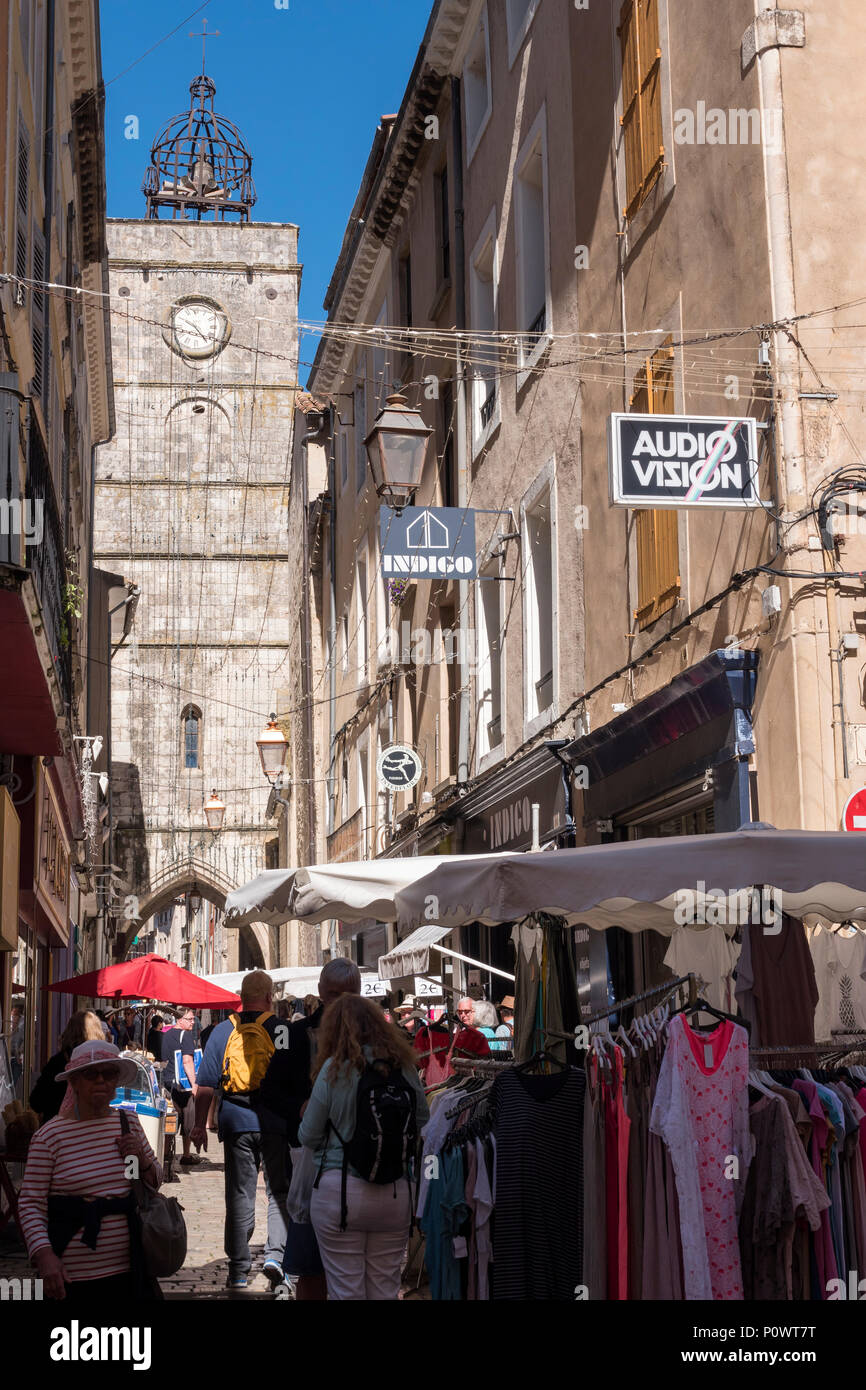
x,y
191,734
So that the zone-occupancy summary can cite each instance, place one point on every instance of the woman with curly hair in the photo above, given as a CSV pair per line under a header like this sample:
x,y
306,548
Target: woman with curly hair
x,y
361,1241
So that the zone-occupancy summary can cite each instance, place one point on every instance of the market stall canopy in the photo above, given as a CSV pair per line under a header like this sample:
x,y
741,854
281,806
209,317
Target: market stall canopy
x,y
297,979
350,891
412,956
638,884
149,977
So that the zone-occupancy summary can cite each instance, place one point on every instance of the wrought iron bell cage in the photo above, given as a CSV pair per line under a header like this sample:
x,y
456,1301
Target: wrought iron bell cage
x,y
200,167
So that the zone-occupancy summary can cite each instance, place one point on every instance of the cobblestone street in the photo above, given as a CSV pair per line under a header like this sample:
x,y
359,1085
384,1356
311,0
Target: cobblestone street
x,y
200,1193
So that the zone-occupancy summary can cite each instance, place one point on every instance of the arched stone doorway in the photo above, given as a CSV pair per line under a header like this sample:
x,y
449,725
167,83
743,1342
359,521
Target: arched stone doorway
x,y
248,949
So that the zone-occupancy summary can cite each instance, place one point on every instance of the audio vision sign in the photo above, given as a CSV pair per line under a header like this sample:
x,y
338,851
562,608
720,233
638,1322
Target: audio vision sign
x,y
683,461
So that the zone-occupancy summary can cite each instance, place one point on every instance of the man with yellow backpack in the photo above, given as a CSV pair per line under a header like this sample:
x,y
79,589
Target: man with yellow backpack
x,y
253,1135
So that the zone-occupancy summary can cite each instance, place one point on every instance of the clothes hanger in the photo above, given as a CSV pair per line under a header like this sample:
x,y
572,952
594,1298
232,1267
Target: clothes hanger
x,y
542,1056
756,1080
701,1006
621,1033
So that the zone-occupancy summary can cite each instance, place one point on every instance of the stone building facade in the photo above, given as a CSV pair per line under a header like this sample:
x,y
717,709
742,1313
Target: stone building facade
x,y
641,203
56,404
192,499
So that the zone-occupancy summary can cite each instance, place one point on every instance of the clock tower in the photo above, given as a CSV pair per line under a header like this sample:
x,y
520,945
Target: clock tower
x,y
191,507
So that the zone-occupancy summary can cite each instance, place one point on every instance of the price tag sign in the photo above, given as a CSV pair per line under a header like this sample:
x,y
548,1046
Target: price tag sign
x,y
428,988
372,987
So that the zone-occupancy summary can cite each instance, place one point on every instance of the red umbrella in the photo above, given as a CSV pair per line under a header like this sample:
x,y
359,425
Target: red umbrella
x,y
149,977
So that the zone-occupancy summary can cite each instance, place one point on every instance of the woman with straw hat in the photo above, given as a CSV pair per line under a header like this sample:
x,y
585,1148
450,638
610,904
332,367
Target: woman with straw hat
x,y
77,1207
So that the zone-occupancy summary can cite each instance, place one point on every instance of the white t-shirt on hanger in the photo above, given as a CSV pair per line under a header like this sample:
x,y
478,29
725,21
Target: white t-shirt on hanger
x,y
711,955
840,970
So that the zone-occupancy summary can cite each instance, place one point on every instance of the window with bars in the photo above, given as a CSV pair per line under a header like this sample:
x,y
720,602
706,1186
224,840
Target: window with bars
x,y
641,118
656,532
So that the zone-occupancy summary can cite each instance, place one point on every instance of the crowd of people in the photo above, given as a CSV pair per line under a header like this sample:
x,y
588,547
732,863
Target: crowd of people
x,y
330,1089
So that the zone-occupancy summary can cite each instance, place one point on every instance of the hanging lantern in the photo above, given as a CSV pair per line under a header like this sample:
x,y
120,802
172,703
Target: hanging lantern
x,y
397,448
273,749
214,811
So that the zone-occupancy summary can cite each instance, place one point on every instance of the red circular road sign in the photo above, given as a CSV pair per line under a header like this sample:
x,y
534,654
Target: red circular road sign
x,y
854,815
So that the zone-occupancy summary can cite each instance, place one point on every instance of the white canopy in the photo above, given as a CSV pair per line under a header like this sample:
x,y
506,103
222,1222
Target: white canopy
x,y
350,891
412,956
646,883
299,979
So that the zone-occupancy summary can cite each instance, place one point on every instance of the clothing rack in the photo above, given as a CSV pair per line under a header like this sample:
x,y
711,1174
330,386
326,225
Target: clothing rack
x,y
483,1064
669,987
844,1049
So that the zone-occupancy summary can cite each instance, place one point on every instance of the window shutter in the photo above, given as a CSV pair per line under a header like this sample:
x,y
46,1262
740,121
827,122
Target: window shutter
x,y
631,125
652,144
22,201
37,316
656,532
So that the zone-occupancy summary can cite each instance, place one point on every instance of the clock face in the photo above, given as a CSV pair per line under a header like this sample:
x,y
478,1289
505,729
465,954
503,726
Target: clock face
x,y
198,330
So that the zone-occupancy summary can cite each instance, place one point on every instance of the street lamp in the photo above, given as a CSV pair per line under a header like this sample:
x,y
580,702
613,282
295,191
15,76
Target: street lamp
x,y
214,812
194,900
397,448
273,749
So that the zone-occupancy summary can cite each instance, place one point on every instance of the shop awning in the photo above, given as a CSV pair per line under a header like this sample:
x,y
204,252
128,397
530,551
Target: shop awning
x,y
350,891
654,883
296,980
412,956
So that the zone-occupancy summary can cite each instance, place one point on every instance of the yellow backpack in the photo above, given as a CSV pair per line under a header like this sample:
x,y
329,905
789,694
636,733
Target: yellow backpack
x,y
249,1049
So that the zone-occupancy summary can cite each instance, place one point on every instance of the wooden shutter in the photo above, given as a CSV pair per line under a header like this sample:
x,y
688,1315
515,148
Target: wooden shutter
x,y
22,200
630,120
37,317
649,60
656,532
641,120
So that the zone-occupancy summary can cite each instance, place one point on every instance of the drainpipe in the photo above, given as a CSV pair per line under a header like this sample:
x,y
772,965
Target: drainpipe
x,y
462,489
306,624
791,472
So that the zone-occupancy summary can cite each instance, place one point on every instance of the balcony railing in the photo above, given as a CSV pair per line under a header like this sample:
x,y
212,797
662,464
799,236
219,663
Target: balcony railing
x,y
488,406
46,562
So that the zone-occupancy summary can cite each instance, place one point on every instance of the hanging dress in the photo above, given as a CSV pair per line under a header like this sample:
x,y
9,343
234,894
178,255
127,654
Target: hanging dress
x,y
701,1111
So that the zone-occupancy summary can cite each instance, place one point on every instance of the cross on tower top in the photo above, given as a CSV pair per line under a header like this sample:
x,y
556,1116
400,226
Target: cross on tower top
x,y
204,36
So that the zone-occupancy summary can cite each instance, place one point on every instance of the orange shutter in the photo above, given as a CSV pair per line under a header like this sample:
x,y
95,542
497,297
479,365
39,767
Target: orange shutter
x,y
631,123
649,59
656,532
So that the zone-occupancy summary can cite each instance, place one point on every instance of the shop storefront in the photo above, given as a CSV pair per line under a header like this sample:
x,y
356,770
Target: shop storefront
x,y
676,763
497,817
45,942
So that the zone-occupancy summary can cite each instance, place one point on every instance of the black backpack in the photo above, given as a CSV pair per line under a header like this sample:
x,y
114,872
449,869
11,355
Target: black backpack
x,y
386,1132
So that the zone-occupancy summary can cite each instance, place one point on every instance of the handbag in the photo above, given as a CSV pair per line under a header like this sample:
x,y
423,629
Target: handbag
x,y
301,1188
161,1226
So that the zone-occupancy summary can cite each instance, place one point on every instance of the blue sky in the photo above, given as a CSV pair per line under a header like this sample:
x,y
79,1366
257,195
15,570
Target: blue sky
x,y
306,85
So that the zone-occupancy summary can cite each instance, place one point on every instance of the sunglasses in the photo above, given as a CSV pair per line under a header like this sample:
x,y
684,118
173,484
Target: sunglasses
x,y
101,1074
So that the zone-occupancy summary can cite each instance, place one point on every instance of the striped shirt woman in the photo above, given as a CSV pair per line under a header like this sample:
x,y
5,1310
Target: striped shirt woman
x,y
77,1204
81,1158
